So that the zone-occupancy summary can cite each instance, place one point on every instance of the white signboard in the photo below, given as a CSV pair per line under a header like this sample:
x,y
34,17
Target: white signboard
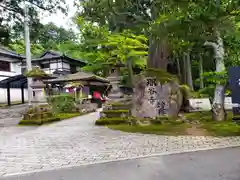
x,y
228,103
202,104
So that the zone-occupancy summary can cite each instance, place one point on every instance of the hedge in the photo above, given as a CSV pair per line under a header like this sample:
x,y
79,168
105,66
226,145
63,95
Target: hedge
x,y
111,121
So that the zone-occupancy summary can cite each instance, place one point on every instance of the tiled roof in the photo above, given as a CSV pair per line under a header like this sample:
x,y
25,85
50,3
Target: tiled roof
x,y
79,76
4,50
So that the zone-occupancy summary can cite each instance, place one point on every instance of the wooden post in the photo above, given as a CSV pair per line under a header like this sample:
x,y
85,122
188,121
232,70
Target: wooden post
x,y
8,95
22,93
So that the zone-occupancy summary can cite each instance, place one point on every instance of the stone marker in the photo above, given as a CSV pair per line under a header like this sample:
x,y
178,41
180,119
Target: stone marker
x,y
228,103
153,99
202,104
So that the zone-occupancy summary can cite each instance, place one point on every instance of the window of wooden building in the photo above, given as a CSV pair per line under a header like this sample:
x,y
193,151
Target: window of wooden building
x,y
5,66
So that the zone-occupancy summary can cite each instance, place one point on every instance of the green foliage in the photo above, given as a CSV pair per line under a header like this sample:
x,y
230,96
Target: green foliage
x,y
101,47
38,113
63,103
111,121
215,77
14,13
186,91
63,116
35,72
19,47
38,121
53,37
209,91
56,117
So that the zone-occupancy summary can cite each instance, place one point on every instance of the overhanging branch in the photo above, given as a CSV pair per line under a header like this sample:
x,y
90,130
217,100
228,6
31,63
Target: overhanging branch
x,y
40,6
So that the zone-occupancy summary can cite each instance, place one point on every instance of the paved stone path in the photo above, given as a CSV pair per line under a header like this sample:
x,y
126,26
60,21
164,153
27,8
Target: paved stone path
x,y
77,141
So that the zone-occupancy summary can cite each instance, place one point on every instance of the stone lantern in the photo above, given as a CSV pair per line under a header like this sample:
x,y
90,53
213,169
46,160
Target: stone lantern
x,y
37,85
114,78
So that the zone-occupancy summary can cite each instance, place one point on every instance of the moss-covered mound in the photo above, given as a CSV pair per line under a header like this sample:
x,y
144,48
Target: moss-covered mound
x,y
35,72
161,75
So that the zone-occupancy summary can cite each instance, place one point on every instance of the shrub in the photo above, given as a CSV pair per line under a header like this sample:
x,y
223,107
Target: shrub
x,y
35,72
111,121
38,112
63,103
38,121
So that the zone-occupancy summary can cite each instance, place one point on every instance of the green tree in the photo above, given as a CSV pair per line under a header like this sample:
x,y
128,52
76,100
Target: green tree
x,y
101,47
12,11
19,47
50,36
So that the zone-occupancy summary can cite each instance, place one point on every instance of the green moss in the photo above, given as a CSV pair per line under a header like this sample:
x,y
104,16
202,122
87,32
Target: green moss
x,y
161,75
116,111
63,116
35,72
226,128
204,116
39,121
166,126
161,129
57,117
185,90
111,121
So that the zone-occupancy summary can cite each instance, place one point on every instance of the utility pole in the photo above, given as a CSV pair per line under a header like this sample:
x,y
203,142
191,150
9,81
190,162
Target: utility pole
x,y
28,52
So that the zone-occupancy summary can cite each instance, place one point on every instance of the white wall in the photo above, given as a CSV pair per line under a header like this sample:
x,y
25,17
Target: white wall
x,y
57,66
15,95
15,67
15,70
66,66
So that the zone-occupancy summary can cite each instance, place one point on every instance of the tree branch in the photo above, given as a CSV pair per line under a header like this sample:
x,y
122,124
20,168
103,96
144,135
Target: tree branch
x,y
10,9
137,18
41,7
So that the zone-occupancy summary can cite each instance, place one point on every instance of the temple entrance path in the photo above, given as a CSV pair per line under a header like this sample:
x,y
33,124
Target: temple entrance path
x,y
78,141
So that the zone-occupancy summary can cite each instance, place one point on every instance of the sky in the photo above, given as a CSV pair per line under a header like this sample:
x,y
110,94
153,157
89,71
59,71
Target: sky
x,y
60,19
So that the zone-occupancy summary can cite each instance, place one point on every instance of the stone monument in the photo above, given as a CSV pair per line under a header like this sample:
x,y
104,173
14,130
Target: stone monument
x,y
153,98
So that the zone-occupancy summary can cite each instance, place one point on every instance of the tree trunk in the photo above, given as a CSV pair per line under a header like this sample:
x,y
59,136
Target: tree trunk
x,y
178,68
219,113
201,71
184,70
130,72
158,54
189,71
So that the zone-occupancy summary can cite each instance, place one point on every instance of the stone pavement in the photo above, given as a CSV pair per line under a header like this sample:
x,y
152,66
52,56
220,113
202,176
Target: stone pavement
x,y
77,141
10,116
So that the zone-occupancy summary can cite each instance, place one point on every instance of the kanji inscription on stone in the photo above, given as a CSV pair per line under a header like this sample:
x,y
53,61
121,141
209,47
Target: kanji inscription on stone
x,y
152,91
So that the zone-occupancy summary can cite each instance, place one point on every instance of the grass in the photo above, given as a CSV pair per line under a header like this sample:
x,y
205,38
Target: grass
x,y
205,124
63,116
159,129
